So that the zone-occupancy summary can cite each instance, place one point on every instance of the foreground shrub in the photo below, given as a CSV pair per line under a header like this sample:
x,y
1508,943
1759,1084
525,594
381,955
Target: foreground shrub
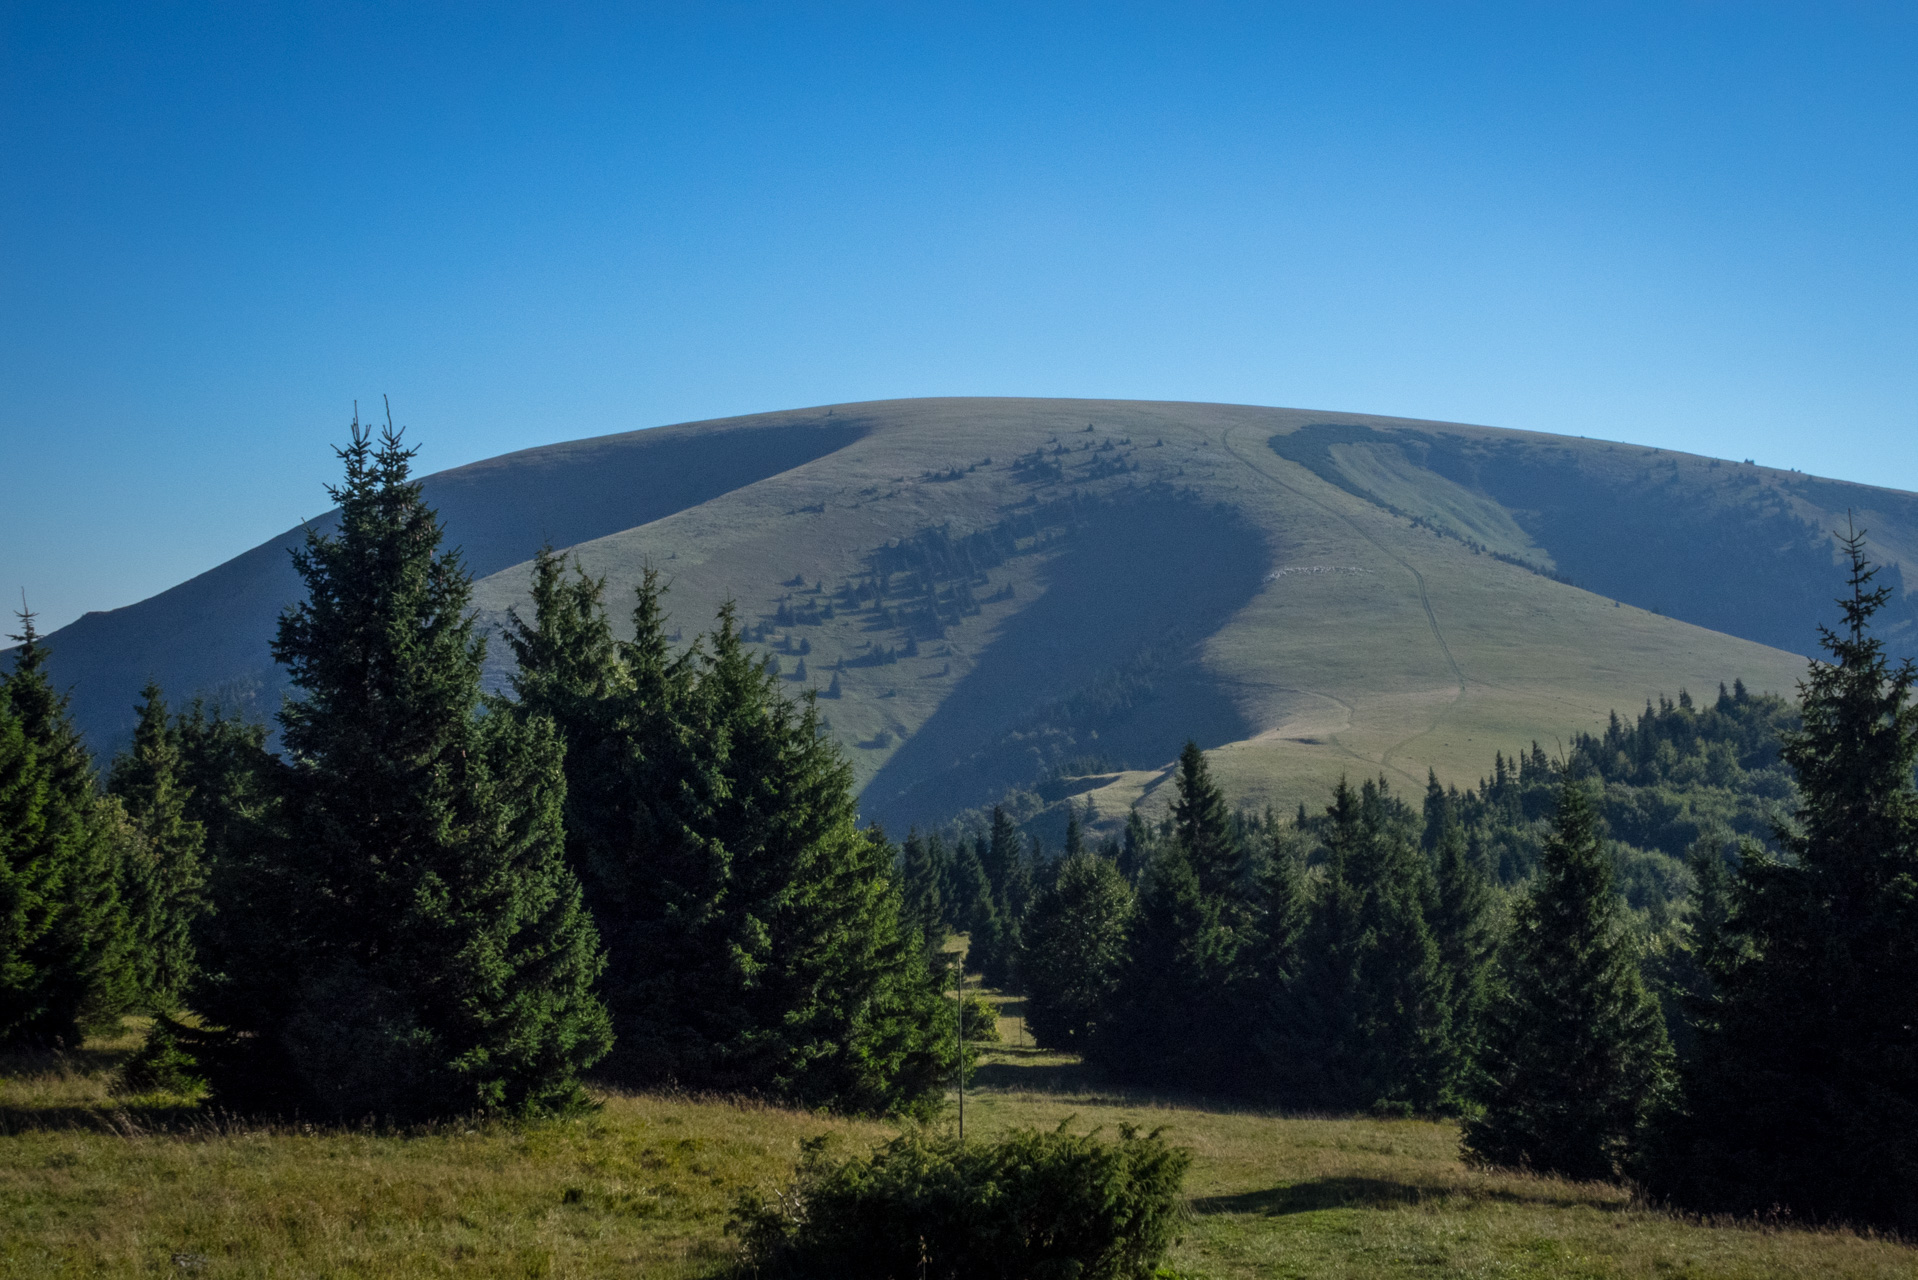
x,y
1032,1204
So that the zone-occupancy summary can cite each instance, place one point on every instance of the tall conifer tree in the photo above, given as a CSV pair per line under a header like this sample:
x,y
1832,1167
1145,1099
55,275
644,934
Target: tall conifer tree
x,y
65,963
163,880
1404,1048
1170,1019
1463,927
1804,1092
1136,850
755,936
1074,950
424,949
1576,1053
996,954
1309,1043
971,910
1365,1022
1203,827
921,909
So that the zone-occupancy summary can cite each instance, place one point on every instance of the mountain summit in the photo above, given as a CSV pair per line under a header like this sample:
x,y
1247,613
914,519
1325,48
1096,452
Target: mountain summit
x,y
1055,594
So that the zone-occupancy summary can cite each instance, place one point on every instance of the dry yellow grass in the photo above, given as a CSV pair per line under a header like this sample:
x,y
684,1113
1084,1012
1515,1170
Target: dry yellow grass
x,y
92,1185
640,1187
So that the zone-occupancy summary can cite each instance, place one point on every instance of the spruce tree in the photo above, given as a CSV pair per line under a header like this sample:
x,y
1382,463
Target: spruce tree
x,y
1270,960
162,883
1170,1019
1203,827
421,945
234,789
65,962
971,911
228,780
1404,1050
642,782
1074,947
1694,948
1366,1022
1136,851
754,934
1804,1092
921,909
945,880
1310,1039
1002,856
1009,871
1463,926
837,1006
1576,1053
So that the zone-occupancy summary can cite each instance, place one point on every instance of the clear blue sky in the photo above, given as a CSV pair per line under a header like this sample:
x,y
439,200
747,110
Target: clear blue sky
x,y
1689,224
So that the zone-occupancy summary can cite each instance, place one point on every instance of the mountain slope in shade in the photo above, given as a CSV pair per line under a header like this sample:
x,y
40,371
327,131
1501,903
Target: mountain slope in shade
x,y
1056,593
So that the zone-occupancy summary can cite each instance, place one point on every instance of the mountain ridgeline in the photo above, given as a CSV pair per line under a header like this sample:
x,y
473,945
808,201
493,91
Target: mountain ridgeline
x,y
1049,596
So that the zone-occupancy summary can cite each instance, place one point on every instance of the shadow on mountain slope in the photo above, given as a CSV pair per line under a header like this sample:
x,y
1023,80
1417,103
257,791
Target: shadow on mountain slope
x,y
1103,665
1724,552
210,634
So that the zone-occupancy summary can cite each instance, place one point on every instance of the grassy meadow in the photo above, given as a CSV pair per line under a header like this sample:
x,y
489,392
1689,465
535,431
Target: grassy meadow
x,y
92,1184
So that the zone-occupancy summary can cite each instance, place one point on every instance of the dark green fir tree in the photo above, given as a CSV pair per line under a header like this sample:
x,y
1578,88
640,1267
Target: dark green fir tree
x,y
1803,1095
922,910
995,956
163,880
1203,827
1270,960
420,946
1405,1050
820,993
229,781
1463,923
1074,949
970,910
755,936
1170,1019
65,954
1075,838
1366,1023
1576,1056
1136,849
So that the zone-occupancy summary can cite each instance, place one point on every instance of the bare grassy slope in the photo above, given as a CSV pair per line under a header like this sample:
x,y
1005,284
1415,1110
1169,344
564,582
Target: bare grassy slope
x,y
1007,596
1173,575
210,634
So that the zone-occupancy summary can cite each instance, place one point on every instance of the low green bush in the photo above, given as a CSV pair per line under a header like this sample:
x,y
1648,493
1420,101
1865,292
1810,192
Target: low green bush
x,y
982,1019
162,1064
1031,1206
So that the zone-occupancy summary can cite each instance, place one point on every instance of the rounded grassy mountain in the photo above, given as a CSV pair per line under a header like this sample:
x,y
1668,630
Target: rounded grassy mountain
x,y
1055,594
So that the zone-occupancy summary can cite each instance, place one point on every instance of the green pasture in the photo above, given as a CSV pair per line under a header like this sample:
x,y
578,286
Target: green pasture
x,y
92,1184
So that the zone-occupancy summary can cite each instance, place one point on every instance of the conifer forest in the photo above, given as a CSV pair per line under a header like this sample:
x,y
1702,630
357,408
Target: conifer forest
x,y
1678,956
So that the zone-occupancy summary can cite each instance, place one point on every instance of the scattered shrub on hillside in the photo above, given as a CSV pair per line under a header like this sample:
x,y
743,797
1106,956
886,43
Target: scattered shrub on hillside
x,y
1031,1204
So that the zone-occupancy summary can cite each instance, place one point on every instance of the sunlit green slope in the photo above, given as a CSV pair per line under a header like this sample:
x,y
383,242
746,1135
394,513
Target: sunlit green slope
x,y
1099,594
